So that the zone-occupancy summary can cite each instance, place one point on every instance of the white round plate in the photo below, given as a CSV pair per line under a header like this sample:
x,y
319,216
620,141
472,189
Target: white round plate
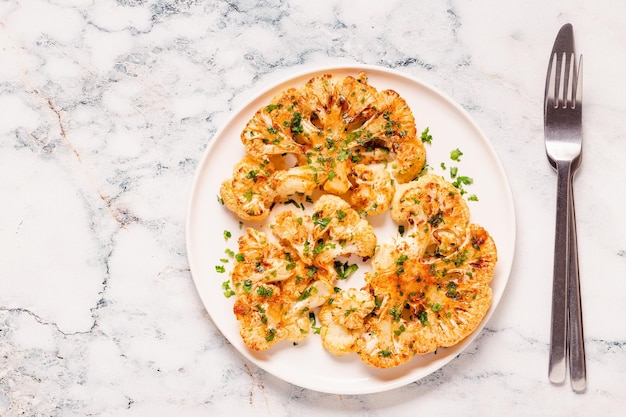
x,y
308,365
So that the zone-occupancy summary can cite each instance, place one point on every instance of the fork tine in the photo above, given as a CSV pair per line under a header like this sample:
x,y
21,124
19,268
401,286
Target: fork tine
x,y
577,93
569,72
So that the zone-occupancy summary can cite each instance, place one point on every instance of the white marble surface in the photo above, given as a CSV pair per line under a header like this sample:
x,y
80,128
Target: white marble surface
x,y
105,109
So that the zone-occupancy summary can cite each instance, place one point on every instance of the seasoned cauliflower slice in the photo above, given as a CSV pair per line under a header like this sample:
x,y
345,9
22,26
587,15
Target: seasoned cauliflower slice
x,y
421,306
333,128
276,293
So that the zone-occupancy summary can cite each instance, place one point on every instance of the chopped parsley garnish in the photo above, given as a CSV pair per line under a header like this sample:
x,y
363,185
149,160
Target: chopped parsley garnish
x,y
384,353
311,270
270,335
321,246
456,154
228,292
423,317
296,124
344,269
306,293
436,219
227,234
271,107
426,137
321,222
400,330
451,290
220,268
264,292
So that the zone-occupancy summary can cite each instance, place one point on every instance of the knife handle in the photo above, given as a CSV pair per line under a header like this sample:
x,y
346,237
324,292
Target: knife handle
x,y
577,366
558,333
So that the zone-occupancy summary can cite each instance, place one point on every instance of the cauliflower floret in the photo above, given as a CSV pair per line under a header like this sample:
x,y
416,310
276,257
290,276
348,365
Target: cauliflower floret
x,y
297,232
249,193
339,230
385,342
275,129
342,319
335,229
435,212
257,184
394,125
373,188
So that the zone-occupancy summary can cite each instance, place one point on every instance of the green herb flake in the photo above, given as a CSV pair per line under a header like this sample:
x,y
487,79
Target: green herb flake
x,y
384,353
264,292
228,292
456,154
344,269
426,136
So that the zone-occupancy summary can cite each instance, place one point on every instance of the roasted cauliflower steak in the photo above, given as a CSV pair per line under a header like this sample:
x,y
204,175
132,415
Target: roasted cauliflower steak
x,y
280,283
326,135
432,284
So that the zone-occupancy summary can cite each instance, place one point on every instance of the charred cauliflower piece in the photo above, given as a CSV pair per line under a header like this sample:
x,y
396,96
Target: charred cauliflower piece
x,y
332,128
333,230
436,215
427,300
279,285
257,183
276,294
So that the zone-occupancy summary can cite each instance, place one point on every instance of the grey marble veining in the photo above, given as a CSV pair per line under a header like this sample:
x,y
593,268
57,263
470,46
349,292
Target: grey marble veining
x,y
105,110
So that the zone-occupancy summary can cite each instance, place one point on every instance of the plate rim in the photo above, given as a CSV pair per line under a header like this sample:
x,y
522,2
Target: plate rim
x,y
255,94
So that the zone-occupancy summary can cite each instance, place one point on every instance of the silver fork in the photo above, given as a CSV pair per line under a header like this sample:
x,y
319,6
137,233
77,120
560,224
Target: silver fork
x,y
563,140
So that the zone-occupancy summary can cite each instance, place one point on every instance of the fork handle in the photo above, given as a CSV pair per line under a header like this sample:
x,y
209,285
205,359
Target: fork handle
x,y
576,345
558,336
